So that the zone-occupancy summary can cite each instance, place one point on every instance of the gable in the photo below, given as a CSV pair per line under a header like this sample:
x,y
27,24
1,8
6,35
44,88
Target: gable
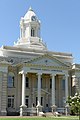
x,y
47,60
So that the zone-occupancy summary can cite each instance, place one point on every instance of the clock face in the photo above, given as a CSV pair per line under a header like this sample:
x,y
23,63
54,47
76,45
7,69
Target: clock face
x,y
33,18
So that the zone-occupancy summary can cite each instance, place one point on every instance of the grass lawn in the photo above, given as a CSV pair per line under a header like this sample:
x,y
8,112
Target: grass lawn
x,y
39,118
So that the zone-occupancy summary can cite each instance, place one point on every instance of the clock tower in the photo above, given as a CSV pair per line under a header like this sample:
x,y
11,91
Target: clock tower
x,y
30,32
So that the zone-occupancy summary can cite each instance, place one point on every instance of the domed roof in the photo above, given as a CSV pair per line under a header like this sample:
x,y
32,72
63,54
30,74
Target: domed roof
x,y
29,14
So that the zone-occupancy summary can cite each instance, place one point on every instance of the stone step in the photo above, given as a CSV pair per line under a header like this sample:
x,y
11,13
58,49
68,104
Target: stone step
x,y
49,114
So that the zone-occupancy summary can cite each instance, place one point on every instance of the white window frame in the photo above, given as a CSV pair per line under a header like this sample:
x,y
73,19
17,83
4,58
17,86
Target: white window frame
x,y
27,98
32,32
11,98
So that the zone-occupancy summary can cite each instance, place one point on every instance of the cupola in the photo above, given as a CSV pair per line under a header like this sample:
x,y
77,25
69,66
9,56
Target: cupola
x,y
30,32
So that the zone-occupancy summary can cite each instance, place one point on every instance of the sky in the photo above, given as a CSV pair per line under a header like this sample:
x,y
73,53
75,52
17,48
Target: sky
x,y
60,23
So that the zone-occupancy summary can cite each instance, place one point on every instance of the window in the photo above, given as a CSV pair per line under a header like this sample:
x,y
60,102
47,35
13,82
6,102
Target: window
x,y
42,101
41,82
50,83
27,101
36,83
11,80
11,101
36,101
32,32
27,82
63,84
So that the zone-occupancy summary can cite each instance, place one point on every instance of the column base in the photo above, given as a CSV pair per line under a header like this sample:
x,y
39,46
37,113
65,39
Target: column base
x,y
66,109
53,108
39,109
23,110
3,113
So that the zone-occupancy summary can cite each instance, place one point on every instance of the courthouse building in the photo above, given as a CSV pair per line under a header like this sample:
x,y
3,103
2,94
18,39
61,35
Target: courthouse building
x,y
31,75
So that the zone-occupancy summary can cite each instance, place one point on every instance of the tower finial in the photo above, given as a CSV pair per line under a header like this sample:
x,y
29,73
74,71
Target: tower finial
x,y
30,8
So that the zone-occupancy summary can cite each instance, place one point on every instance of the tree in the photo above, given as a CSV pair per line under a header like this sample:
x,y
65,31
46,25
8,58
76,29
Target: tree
x,y
74,103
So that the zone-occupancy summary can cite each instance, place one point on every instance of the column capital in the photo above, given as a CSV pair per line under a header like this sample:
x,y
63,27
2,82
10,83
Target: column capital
x,y
66,75
73,76
22,72
53,74
39,74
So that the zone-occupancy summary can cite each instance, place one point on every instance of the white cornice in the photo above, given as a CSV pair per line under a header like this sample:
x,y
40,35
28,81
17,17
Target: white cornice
x,y
33,51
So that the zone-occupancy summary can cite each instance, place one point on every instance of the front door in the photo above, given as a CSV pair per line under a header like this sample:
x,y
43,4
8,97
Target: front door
x,y
27,101
41,101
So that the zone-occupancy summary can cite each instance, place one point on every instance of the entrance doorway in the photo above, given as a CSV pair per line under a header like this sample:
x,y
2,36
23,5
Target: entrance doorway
x,y
42,102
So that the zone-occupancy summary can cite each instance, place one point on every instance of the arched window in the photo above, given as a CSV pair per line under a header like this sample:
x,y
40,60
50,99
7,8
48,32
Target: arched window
x,y
32,32
11,80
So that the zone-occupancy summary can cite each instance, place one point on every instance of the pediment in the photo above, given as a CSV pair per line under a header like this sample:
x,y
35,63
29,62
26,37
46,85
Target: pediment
x,y
47,60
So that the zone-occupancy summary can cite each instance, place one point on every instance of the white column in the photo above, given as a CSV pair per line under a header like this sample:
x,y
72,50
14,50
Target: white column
x,y
53,89
73,80
39,89
66,87
23,88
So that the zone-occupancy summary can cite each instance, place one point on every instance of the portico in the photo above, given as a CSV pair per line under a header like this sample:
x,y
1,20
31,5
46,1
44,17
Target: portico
x,y
42,91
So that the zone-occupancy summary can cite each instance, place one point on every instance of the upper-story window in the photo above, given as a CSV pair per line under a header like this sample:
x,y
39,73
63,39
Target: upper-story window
x,y
27,82
11,80
36,83
50,83
32,32
63,84
41,83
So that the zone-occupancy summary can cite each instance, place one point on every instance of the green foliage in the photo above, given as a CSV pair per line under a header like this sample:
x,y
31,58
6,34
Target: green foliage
x,y
74,103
